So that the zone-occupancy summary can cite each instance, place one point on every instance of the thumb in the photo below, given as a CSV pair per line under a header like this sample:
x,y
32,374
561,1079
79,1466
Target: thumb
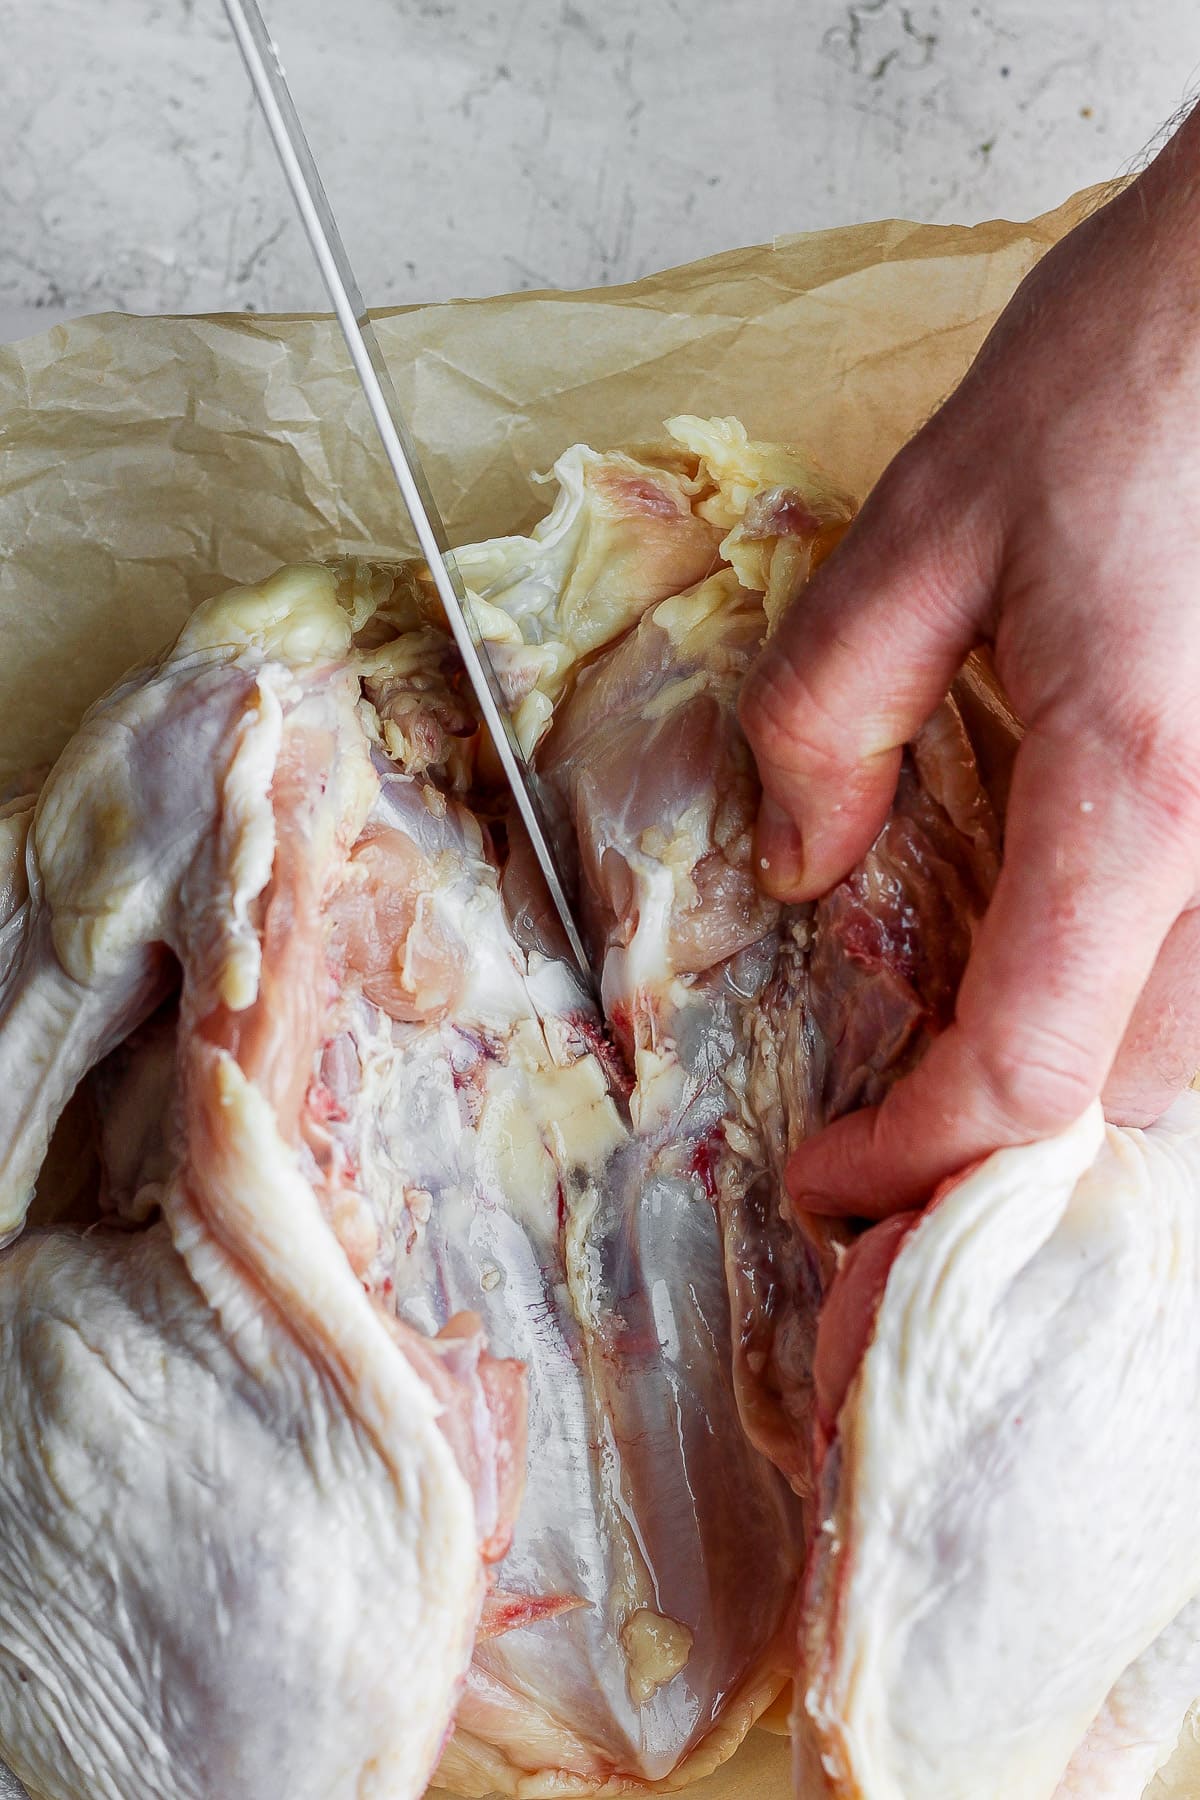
x,y
862,658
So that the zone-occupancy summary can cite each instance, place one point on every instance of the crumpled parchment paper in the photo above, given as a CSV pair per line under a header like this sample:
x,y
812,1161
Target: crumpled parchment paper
x,y
148,463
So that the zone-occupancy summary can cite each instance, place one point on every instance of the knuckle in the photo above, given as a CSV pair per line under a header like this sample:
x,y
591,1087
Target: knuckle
x,y
788,725
1160,755
1037,1079
912,487
921,491
1141,750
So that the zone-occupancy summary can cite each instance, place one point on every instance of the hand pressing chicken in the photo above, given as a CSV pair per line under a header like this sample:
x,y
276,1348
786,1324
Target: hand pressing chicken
x,y
1048,509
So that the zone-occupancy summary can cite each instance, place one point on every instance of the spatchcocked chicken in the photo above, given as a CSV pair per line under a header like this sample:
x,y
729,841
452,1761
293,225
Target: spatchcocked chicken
x,y
428,1374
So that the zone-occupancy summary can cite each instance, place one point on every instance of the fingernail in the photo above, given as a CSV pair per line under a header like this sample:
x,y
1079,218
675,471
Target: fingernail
x,y
778,851
804,1188
825,1206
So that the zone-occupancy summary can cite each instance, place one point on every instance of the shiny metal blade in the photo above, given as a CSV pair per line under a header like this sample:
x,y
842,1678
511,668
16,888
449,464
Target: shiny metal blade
x,y
270,85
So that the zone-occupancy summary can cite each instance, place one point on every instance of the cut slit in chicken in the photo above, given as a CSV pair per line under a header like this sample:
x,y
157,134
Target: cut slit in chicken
x,y
365,1185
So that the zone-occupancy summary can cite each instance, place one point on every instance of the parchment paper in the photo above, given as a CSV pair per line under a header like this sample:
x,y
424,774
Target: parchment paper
x,y
148,463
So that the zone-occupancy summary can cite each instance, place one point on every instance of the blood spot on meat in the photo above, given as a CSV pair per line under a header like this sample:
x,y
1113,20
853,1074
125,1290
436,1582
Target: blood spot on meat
x,y
704,1162
637,494
508,1612
779,512
322,1106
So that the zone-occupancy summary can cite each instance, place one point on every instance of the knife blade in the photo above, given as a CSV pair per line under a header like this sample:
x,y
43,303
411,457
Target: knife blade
x,y
270,86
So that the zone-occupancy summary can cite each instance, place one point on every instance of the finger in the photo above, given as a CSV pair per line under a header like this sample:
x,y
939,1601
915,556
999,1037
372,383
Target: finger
x,y
1096,871
1160,1052
860,661
846,1322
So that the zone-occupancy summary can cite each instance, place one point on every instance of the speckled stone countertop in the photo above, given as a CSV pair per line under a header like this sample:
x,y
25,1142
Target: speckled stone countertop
x,y
472,147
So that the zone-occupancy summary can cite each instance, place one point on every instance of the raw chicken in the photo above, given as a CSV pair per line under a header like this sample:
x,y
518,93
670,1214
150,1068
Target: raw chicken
x,y
1003,1593
379,1127
1002,1596
956,1640
372,1169
244,1511
1003,1601
657,1615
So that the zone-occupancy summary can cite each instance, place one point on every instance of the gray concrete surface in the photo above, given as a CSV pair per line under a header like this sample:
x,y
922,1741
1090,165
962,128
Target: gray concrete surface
x,y
473,146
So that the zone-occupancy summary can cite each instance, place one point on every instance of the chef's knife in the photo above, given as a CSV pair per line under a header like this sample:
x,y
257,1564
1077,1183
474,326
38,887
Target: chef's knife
x,y
270,85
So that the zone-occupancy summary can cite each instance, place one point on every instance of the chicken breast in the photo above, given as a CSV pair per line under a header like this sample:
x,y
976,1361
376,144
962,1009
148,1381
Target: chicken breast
x,y
244,1511
1003,1599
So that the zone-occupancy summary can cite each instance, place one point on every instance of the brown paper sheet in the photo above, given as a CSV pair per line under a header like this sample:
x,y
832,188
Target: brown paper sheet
x,y
148,463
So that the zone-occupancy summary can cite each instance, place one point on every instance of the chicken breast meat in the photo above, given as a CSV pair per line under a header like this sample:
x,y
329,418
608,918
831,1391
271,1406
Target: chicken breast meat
x,y
433,1375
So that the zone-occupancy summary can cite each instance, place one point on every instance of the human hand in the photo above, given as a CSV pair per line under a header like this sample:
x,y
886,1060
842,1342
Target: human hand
x,y
1051,507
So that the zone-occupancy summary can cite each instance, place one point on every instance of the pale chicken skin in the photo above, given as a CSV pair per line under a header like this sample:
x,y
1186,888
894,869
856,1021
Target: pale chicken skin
x,y
1003,1601
245,1514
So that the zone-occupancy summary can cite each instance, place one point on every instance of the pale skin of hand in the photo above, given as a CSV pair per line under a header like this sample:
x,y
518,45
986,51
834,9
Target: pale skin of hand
x,y
1051,508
